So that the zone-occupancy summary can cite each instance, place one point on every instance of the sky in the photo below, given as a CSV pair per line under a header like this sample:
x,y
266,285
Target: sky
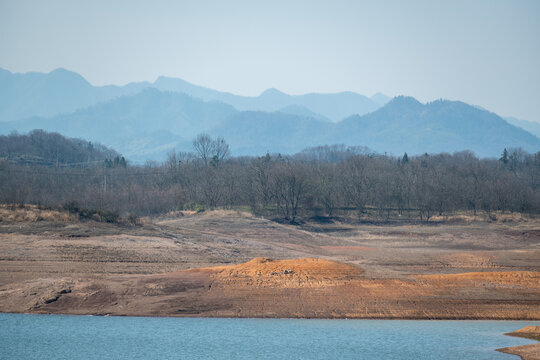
x,y
483,52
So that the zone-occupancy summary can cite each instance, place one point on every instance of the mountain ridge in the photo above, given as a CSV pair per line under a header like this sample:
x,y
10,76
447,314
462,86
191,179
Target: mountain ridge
x,y
529,126
150,123
62,91
145,122
413,127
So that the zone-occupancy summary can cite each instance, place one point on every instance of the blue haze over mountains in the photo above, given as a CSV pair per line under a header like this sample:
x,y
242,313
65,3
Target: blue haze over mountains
x,y
146,120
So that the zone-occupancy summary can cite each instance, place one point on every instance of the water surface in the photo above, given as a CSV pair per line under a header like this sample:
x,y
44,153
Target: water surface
x,y
93,337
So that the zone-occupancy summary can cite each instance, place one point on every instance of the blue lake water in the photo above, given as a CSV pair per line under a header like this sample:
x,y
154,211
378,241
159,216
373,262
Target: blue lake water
x,y
93,337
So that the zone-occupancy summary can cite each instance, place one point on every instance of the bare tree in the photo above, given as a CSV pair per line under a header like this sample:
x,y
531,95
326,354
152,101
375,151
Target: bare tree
x,y
204,147
211,151
220,150
290,185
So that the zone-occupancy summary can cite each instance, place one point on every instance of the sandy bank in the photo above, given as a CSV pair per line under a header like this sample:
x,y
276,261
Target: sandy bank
x,y
526,352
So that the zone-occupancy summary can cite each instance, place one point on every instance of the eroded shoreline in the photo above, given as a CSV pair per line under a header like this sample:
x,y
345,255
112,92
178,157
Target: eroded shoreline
x,y
299,288
525,352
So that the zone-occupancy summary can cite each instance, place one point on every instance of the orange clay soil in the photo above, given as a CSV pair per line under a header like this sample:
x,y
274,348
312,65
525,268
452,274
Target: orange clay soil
x,y
304,272
305,287
526,352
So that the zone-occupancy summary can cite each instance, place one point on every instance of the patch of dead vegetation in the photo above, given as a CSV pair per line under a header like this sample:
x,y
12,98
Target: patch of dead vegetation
x,y
524,279
495,216
33,213
468,260
223,213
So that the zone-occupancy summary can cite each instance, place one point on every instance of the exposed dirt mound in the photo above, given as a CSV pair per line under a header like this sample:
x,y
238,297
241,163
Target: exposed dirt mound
x,y
285,273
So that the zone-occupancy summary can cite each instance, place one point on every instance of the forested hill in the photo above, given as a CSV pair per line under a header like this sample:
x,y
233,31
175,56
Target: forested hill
x,y
406,125
42,148
402,125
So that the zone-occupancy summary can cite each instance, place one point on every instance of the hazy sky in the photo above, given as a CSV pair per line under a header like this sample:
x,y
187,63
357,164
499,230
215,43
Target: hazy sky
x,y
482,52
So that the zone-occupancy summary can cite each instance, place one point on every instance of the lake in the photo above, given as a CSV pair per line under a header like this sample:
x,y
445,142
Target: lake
x,y
96,337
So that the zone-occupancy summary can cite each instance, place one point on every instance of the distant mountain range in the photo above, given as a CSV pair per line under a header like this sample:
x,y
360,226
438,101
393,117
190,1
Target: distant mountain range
x,y
332,106
62,91
146,120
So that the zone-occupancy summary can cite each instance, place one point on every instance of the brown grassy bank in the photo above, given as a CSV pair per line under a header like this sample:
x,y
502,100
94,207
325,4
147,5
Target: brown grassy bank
x,y
464,270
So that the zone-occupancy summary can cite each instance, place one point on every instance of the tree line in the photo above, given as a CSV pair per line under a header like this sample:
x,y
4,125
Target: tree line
x,y
321,181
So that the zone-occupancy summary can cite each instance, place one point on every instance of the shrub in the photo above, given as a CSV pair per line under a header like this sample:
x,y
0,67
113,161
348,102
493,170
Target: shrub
x,y
193,206
109,216
134,219
92,214
72,207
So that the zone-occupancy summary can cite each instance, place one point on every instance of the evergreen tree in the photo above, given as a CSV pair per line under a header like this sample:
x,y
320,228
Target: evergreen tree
x,y
504,157
405,158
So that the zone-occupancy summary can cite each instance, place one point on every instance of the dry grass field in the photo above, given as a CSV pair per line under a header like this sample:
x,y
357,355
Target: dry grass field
x,y
50,262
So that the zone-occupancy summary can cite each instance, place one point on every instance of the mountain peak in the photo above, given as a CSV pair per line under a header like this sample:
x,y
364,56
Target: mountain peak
x,y
402,103
399,106
404,100
61,74
169,80
272,92
64,72
61,70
